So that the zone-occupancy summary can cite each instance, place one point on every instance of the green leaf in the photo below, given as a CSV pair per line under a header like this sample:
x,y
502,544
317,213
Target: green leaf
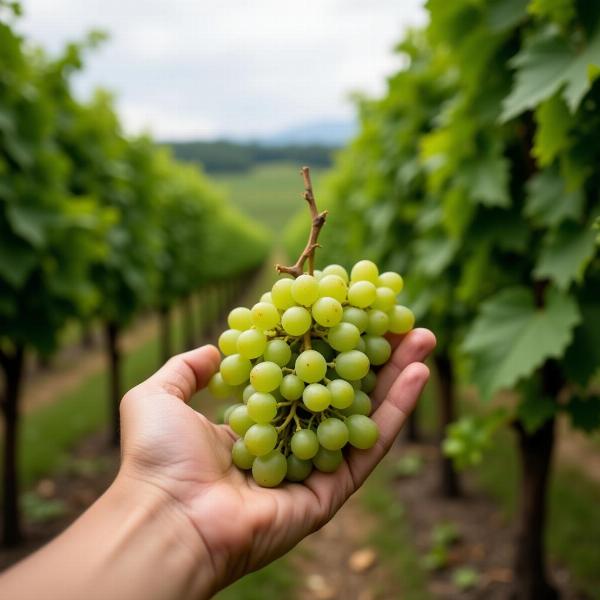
x,y
584,413
534,410
566,254
434,255
511,337
552,135
559,11
582,359
486,180
29,222
548,203
547,65
17,260
505,14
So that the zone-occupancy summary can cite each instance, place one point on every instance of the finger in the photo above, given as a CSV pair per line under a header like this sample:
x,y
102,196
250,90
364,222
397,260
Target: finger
x,y
333,489
182,375
415,346
390,417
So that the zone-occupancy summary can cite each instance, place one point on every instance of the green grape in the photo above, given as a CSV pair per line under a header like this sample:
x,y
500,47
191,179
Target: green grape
x,y
248,391
343,336
251,343
305,290
352,365
317,274
238,391
385,299
242,457
363,432
365,270
281,293
336,270
229,410
378,322
296,320
361,406
327,312
228,341
265,316
361,344
327,461
262,407
342,393
368,382
362,294
277,351
240,318
316,397
239,420
235,369
391,280
305,444
358,317
218,388
322,347
266,297
260,439
333,286
269,470
377,349
332,434
291,387
298,470
266,376
310,366
402,319
356,384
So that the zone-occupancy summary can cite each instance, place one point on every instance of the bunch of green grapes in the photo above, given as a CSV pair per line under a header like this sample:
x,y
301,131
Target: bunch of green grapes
x,y
303,362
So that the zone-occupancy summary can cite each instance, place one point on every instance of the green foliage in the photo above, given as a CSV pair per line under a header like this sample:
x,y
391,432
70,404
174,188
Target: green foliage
x,y
93,223
476,176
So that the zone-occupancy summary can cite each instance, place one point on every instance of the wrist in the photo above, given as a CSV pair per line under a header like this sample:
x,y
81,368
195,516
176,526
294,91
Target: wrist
x,y
156,542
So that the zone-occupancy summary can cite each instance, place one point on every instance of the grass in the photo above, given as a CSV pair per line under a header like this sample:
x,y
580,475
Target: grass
x,y
269,193
276,580
573,532
392,536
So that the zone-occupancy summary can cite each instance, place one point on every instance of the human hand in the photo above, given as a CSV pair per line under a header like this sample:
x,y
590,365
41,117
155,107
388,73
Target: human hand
x,y
171,450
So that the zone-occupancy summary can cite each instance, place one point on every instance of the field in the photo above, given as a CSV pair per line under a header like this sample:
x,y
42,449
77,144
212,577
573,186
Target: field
x,y
270,193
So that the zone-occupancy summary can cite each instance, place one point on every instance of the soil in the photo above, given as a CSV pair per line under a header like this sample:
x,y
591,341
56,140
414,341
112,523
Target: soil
x,y
490,555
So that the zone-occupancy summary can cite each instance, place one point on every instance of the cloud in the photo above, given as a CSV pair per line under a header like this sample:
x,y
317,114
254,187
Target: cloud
x,y
186,68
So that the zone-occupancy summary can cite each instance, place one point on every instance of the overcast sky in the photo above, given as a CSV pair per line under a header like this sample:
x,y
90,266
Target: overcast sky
x,y
202,68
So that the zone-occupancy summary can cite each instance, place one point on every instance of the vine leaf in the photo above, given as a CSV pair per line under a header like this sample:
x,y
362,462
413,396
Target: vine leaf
x,y
511,337
547,65
554,122
548,203
566,254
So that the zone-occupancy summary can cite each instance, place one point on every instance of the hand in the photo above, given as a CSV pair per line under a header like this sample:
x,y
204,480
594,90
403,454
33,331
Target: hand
x,y
178,452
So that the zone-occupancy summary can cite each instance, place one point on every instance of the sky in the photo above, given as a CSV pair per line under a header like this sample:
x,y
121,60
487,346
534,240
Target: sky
x,y
188,69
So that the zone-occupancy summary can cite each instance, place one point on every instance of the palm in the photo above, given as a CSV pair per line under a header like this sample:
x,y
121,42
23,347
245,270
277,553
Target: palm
x,y
243,525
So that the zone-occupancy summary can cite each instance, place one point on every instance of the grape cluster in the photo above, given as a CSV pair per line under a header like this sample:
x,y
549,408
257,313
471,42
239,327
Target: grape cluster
x,y
303,361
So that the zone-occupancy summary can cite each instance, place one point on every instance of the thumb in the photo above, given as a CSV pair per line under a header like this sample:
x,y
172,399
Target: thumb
x,y
182,375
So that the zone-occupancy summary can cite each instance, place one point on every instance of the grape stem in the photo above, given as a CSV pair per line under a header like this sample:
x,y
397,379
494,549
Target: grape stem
x,y
289,417
318,220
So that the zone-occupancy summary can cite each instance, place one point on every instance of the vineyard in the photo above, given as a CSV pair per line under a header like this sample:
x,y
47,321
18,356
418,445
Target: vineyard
x,y
476,176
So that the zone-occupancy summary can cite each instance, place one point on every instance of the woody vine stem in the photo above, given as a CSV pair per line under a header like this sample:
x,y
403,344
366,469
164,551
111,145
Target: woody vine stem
x,y
318,220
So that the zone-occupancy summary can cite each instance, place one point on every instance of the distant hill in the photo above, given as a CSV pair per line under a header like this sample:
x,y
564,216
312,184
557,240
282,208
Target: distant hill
x,y
227,156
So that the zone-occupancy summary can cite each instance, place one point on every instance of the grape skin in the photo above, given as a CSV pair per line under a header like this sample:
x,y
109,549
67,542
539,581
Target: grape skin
x,y
269,470
291,420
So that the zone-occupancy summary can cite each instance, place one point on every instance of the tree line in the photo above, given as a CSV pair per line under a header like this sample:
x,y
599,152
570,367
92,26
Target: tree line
x,y
95,225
